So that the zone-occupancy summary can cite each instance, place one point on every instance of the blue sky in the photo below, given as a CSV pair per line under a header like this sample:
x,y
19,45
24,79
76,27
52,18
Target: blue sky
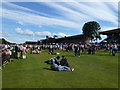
x,y
32,21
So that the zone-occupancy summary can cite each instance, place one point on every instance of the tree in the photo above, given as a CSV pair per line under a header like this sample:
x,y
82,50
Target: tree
x,y
55,36
38,42
91,30
3,41
47,37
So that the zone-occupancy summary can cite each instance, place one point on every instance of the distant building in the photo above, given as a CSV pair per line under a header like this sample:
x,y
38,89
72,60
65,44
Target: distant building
x,y
30,43
63,40
113,36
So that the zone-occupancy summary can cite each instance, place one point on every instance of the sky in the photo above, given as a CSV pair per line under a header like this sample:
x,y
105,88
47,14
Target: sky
x,y
32,21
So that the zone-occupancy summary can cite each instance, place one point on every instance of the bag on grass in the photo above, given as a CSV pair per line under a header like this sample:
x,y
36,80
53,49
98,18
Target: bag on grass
x,y
40,52
24,56
18,54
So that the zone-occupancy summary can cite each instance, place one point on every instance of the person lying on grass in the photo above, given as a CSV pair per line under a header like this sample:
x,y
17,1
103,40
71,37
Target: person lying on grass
x,y
64,62
52,53
56,67
55,59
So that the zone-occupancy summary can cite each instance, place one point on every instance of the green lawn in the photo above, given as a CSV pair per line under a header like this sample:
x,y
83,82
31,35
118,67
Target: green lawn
x,y
91,71
0,79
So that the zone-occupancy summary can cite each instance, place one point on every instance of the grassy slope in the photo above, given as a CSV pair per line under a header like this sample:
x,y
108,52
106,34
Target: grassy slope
x,y
91,71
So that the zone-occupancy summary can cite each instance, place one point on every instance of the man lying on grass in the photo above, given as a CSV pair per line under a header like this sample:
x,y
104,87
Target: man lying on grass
x,y
56,67
55,59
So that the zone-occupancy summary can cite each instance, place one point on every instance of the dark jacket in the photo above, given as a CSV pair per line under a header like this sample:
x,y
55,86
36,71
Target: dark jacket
x,y
64,62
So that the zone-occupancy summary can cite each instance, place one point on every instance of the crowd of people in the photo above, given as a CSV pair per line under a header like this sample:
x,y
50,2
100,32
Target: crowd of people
x,y
12,51
84,48
19,51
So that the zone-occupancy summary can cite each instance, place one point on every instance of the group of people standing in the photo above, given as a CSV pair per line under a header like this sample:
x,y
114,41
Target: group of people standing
x,y
111,48
91,49
12,51
84,48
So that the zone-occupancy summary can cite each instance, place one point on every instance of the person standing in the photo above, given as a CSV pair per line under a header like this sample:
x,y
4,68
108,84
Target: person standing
x,y
93,50
16,51
114,49
76,50
89,49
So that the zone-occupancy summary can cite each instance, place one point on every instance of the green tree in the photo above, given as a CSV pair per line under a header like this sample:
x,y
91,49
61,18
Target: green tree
x,y
3,41
91,31
55,36
47,37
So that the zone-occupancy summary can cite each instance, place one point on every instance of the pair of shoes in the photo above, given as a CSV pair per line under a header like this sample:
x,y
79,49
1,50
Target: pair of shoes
x,y
72,69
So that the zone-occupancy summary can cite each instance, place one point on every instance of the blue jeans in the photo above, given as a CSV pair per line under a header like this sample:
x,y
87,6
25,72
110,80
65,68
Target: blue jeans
x,y
64,68
60,68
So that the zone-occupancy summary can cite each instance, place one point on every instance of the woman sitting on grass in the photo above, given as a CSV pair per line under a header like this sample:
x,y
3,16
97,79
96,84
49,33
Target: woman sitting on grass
x,y
64,62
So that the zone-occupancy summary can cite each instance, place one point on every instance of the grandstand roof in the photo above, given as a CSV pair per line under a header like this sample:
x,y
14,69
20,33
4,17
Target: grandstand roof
x,y
108,32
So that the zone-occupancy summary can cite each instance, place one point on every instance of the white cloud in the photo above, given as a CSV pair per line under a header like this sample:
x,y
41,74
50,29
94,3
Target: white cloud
x,y
46,33
28,32
20,39
60,34
59,0
24,32
19,31
108,28
43,34
36,19
5,34
38,34
71,14
23,8
82,12
21,23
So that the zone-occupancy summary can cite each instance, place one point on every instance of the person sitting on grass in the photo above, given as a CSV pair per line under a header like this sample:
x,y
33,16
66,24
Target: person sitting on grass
x,y
56,67
52,53
64,62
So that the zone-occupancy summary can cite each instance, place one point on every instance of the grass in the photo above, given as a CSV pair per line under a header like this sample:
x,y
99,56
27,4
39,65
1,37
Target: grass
x,y
91,71
0,79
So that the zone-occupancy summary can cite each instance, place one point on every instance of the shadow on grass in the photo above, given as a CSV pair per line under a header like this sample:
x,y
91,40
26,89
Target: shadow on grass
x,y
47,69
69,55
